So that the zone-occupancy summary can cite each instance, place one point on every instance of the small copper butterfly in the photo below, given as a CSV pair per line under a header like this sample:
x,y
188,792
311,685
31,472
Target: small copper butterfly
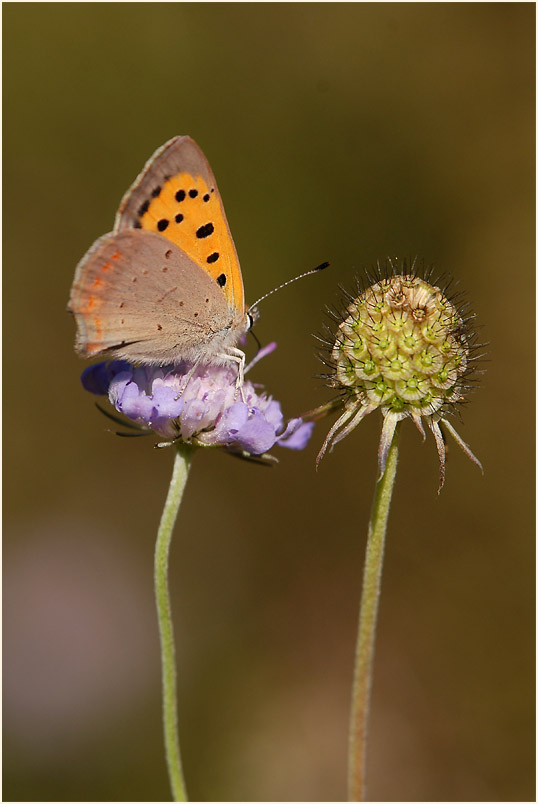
x,y
165,284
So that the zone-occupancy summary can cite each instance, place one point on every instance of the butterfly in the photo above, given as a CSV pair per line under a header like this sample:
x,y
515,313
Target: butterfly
x,y
165,285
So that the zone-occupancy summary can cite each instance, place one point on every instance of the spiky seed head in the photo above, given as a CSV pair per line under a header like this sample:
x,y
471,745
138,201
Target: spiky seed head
x,y
403,346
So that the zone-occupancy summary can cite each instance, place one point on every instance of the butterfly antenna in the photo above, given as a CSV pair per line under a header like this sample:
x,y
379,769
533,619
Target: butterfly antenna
x,y
289,282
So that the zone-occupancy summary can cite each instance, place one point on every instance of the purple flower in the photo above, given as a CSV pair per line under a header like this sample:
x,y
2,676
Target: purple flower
x,y
202,407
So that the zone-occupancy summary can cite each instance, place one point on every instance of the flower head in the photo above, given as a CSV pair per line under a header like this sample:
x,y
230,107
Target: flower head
x,y
198,405
404,347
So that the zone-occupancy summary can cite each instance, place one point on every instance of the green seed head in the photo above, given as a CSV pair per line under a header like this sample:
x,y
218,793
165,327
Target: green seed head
x,y
402,346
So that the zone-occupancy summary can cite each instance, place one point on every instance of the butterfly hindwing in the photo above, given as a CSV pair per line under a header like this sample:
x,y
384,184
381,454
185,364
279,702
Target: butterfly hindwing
x,y
176,195
138,296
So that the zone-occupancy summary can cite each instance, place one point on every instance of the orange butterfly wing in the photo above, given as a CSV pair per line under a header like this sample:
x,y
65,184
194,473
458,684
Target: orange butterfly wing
x,y
177,196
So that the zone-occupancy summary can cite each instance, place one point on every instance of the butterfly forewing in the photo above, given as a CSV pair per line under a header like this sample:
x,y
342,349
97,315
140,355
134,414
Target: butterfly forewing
x,y
176,195
138,296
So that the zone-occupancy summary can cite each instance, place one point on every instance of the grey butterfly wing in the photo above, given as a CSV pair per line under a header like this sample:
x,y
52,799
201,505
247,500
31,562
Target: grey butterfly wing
x,y
137,296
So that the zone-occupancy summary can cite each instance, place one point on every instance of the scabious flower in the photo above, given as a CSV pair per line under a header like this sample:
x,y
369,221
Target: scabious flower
x,y
403,347
199,406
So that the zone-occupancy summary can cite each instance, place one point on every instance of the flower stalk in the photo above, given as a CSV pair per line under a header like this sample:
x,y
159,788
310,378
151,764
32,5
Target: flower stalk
x,y
364,655
402,347
192,406
164,614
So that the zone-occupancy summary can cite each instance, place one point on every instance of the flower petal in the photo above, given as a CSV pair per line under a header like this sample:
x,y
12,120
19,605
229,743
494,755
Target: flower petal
x,y
256,435
296,435
96,379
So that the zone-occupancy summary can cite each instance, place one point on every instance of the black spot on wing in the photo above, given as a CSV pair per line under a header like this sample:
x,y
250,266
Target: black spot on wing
x,y
205,230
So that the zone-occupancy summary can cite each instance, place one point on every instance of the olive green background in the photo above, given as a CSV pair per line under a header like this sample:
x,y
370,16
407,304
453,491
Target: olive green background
x,y
340,132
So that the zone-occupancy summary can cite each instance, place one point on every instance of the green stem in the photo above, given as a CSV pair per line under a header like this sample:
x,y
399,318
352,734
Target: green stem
x,y
364,656
164,614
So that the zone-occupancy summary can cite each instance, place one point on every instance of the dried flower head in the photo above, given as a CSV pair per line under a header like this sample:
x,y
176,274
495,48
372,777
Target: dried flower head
x,y
405,347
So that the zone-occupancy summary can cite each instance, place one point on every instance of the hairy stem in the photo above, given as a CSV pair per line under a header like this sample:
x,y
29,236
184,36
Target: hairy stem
x,y
364,656
164,614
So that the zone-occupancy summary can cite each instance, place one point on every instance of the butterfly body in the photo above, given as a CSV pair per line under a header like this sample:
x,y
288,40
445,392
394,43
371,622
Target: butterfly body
x,y
165,284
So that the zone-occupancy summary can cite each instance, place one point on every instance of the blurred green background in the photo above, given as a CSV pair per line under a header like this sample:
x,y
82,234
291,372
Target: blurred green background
x,y
340,132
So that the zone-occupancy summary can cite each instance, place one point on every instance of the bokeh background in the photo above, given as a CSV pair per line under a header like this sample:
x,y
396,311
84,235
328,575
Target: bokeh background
x,y
341,132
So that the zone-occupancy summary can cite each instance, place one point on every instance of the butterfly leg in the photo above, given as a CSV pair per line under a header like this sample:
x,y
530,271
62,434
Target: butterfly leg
x,y
238,357
188,376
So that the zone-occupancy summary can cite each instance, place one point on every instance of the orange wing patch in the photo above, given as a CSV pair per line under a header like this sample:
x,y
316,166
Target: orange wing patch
x,y
188,213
